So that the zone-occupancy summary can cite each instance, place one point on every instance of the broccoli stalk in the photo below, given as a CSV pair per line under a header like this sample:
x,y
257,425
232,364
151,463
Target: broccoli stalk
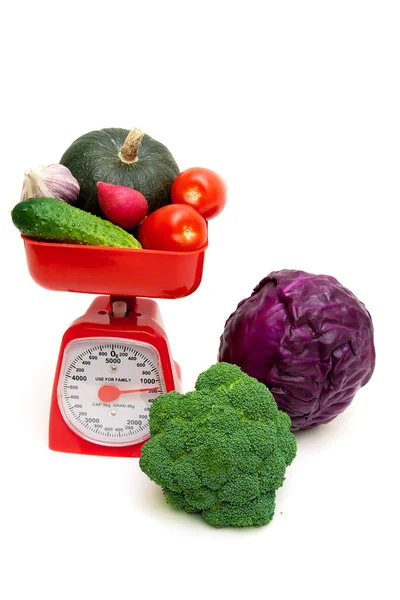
x,y
221,450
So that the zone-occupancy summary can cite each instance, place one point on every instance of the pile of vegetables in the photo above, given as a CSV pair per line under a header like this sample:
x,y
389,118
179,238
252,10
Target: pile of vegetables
x,y
292,355
119,188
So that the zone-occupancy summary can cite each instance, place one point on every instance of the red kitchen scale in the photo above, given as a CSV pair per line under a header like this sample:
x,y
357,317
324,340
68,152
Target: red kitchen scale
x,y
115,359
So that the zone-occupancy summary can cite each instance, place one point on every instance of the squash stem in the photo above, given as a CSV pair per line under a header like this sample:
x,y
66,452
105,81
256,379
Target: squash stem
x,y
129,151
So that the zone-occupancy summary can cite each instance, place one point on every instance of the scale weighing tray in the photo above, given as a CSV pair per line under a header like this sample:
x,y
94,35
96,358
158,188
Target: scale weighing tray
x,y
117,271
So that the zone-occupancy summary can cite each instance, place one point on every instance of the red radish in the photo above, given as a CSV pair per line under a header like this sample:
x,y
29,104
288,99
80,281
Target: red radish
x,y
121,205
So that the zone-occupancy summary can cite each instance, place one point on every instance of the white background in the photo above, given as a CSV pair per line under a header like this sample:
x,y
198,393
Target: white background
x,y
297,105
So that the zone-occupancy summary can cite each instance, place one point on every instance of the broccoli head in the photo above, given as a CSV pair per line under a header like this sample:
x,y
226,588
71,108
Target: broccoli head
x,y
221,450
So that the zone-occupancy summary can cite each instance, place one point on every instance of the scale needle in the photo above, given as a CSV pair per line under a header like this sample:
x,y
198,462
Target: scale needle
x,y
109,393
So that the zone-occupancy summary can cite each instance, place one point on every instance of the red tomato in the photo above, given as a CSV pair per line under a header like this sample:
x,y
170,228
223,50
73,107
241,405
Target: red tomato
x,y
173,227
201,188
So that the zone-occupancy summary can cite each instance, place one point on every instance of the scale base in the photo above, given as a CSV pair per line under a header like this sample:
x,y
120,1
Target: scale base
x,y
142,322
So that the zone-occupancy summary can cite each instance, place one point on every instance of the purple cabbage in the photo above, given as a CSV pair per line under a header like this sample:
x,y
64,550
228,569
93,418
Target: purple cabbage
x,y
308,339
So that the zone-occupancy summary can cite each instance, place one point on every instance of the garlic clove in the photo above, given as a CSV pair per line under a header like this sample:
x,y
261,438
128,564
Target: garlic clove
x,y
52,181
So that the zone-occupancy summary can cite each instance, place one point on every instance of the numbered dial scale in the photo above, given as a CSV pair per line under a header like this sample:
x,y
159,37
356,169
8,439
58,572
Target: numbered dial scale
x,y
106,389
112,365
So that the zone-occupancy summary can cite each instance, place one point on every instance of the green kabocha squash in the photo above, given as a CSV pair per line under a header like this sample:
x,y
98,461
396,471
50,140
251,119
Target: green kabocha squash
x,y
129,158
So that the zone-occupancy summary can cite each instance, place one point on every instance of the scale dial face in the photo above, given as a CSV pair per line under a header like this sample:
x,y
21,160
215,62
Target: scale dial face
x,y
106,388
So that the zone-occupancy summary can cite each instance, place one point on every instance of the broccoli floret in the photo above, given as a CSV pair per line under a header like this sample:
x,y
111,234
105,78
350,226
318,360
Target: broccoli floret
x,y
221,450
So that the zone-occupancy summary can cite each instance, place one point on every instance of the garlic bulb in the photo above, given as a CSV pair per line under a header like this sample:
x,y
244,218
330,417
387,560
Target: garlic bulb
x,y
51,181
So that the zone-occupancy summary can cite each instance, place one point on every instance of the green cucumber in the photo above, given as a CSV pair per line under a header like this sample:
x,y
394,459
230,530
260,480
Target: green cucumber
x,y
49,219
